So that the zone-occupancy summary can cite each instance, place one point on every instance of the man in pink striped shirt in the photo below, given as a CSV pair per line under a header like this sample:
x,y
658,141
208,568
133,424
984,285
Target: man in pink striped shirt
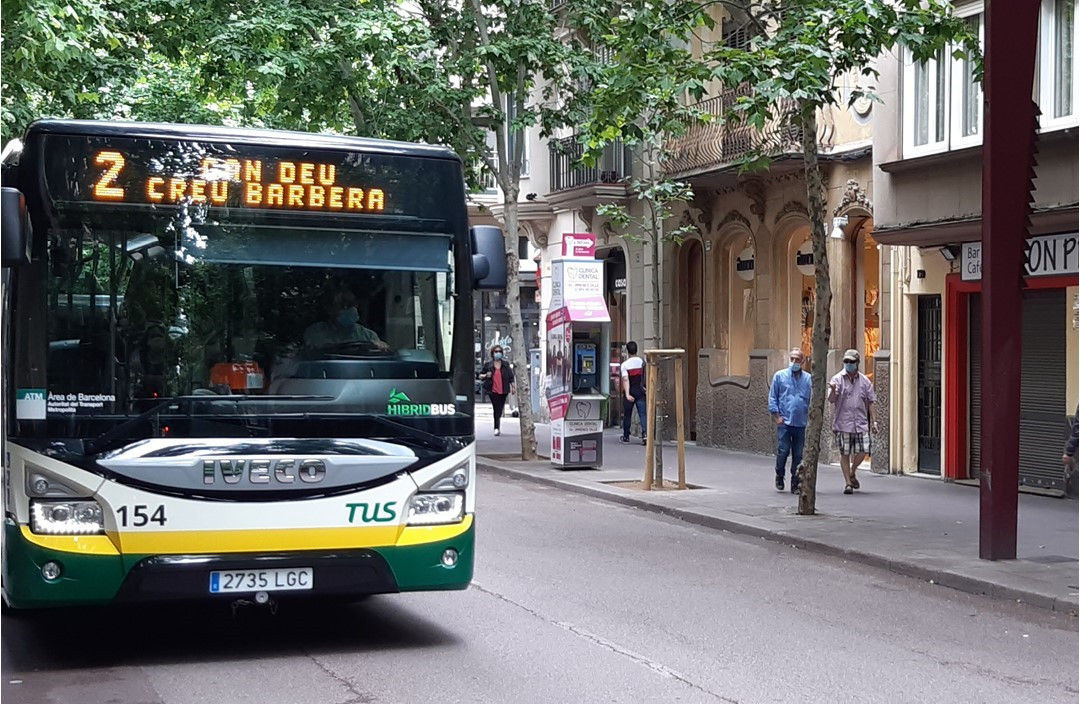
x,y
852,394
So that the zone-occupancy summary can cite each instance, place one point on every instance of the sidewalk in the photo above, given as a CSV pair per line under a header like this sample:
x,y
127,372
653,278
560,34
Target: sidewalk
x,y
915,526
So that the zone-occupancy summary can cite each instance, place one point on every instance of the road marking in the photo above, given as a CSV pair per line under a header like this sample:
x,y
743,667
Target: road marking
x,y
657,667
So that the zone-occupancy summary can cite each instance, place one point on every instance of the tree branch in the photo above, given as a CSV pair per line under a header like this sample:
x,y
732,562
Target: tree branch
x,y
502,175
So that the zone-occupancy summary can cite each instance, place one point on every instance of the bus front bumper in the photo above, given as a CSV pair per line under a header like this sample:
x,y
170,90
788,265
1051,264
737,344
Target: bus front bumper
x,y
94,579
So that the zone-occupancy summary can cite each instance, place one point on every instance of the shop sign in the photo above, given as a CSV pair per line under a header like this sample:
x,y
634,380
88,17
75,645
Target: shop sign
x,y
804,258
744,264
1052,255
620,283
579,244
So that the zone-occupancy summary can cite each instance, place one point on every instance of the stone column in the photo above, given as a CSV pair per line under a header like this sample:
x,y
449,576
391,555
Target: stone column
x,y
844,289
879,461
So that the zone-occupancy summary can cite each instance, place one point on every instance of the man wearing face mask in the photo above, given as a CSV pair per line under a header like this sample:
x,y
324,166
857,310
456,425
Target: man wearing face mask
x,y
789,404
342,324
852,394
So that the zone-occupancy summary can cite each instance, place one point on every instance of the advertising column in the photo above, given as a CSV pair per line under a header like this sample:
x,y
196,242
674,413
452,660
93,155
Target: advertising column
x,y
577,355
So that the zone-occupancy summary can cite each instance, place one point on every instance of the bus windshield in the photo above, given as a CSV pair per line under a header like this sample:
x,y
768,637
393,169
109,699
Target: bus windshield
x,y
188,309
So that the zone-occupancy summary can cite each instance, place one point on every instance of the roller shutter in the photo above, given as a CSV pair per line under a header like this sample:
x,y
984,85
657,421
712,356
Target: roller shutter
x,y
1043,419
1043,422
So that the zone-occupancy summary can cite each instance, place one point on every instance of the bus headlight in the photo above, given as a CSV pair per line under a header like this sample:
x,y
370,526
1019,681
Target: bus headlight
x,y
66,518
430,509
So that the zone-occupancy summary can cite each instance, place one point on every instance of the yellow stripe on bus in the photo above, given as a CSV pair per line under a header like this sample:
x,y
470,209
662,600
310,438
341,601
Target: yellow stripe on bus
x,y
419,535
261,540
82,544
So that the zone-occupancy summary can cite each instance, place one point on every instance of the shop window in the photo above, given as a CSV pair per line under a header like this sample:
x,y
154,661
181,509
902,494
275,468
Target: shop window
x,y
801,292
740,322
871,300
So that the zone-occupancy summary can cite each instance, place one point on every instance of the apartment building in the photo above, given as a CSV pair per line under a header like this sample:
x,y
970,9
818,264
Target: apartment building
x,y
927,177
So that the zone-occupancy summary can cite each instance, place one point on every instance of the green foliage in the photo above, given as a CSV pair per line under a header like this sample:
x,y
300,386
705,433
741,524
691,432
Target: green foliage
x,y
640,93
63,57
803,48
644,95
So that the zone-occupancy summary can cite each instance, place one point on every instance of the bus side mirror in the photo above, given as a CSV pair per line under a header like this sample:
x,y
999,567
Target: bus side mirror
x,y
15,229
489,258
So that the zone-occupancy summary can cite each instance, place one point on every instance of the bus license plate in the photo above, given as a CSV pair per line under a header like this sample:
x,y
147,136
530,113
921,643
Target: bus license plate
x,y
227,581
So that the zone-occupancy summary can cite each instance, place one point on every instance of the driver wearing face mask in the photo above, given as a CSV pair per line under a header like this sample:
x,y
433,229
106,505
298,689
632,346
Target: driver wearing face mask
x,y
342,325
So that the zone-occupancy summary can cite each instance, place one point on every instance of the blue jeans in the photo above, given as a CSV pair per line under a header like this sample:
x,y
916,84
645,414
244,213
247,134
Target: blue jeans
x,y
789,440
628,411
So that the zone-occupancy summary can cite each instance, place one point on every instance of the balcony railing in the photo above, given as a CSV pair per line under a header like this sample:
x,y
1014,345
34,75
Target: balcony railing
x,y
614,166
707,146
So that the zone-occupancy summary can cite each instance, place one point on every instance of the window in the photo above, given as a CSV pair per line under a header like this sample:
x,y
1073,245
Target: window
x,y
131,321
482,179
513,136
968,100
943,104
1057,63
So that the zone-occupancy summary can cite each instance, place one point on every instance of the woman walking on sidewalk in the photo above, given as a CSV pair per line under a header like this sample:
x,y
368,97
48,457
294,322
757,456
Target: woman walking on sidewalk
x,y
498,380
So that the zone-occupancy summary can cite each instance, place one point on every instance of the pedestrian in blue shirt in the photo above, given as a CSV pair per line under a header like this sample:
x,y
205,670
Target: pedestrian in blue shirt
x,y
789,404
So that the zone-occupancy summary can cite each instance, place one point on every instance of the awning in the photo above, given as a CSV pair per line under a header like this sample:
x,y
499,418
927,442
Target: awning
x,y
589,310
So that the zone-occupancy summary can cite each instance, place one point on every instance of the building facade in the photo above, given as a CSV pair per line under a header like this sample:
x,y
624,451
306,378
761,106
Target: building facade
x,y
904,203
928,180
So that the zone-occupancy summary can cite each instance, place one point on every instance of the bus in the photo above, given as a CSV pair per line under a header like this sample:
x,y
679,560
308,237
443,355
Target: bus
x,y
237,365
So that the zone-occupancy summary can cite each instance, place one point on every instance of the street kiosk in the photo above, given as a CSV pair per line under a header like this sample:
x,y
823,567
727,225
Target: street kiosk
x,y
578,342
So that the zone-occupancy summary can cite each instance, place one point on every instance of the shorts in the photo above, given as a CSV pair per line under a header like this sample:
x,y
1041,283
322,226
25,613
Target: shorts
x,y
852,443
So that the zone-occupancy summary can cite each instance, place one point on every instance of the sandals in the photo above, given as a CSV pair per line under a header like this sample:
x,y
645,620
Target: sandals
x,y
848,489
854,483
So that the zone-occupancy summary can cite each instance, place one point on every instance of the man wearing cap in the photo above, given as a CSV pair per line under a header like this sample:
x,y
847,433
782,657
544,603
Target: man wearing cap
x,y
789,404
852,394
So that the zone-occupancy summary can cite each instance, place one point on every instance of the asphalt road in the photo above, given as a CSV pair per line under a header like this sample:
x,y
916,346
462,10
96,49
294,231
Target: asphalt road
x,y
574,601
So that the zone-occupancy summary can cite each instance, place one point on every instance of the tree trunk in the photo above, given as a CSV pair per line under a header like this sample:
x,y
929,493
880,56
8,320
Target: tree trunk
x,y
819,356
519,351
656,236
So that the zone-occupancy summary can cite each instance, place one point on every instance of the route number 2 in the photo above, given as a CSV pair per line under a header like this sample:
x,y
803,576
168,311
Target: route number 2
x,y
105,189
139,515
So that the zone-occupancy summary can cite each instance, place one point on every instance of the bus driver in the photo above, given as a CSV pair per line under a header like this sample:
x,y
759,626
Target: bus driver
x,y
342,324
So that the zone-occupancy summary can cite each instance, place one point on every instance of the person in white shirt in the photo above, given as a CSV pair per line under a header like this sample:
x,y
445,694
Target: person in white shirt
x,y
632,372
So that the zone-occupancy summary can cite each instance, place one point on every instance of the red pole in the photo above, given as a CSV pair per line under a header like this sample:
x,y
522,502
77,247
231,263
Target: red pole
x,y
1008,159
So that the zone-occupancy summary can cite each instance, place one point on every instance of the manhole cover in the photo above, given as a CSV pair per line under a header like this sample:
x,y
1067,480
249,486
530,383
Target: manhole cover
x,y
1050,559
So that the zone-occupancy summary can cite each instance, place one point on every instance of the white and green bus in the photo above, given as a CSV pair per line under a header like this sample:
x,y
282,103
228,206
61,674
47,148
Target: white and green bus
x,y
237,365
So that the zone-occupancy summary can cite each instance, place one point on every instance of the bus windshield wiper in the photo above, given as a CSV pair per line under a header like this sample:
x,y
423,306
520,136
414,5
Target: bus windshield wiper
x,y
123,431
430,440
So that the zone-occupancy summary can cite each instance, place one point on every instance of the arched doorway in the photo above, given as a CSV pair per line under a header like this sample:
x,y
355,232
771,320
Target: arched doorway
x,y
692,298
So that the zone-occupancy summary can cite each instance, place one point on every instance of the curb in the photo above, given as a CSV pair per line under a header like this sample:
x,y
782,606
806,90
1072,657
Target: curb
x,y
941,577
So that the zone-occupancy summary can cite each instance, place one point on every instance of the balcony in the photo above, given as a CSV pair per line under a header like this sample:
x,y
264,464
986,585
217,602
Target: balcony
x,y
715,146
613,168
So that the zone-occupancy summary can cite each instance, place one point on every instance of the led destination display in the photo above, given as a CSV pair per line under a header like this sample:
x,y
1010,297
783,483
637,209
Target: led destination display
x,y
157,172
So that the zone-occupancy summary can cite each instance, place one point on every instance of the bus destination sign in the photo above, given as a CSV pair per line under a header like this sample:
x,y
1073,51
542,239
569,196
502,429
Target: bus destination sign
x,y
158,172
289,185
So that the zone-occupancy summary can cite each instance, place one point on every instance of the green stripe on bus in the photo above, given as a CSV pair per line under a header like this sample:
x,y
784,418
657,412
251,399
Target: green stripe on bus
x,y
420,567
84,579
